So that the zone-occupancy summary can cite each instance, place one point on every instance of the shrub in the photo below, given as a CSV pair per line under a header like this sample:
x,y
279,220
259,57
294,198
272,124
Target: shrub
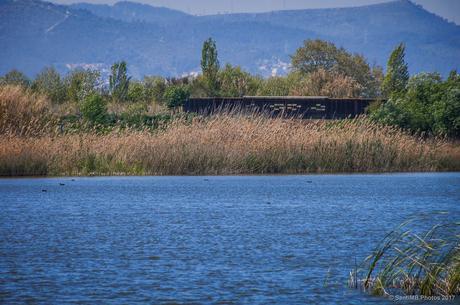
x,y
198,87
49,82
135,114
428,105
81,83
136,92
234,82
175,96
155,87
94,109
446,110
274,86
15,77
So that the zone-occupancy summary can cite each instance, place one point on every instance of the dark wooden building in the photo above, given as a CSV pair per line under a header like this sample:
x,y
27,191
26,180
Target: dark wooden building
x,y
306,107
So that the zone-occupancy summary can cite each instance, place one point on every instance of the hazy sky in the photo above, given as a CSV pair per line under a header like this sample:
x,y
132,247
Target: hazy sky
x,y
449,9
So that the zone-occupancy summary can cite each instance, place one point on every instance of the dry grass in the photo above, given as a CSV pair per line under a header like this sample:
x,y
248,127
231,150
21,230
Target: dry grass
x,y
229,145
31,144
23,112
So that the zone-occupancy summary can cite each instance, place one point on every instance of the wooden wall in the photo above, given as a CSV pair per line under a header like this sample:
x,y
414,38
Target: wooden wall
x,y
300,107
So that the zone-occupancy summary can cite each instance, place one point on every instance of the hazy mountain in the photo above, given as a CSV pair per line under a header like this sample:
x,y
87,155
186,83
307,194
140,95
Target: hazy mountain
x,y
155,40
131,11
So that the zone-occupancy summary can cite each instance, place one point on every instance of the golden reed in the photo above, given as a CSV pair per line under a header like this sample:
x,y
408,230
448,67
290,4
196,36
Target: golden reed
x,y
223,144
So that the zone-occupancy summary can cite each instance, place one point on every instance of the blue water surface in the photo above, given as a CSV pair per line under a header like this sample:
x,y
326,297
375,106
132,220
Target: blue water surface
x,y
203,240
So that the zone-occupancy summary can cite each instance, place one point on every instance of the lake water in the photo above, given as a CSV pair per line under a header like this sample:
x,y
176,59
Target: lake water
x,y
225,240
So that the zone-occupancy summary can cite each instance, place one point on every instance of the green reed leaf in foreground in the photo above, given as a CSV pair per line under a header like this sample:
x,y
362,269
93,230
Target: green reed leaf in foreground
x,y
409,262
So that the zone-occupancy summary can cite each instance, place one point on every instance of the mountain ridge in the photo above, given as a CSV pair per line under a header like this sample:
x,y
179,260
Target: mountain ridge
x,y
132,11
156,40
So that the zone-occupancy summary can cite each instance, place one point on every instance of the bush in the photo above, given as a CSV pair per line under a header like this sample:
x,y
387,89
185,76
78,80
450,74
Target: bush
x,y
136,92
81,83
155,87
175,96
274,86
49,82
15,77
135,114
94,109
446,110
428,105
234,82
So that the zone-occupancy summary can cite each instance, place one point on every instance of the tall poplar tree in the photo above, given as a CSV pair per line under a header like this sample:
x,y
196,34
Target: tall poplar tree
x,y
119,81
210,66
397,75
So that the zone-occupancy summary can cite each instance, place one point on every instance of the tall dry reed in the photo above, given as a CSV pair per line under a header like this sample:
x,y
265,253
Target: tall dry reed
x,y
23,112
229,144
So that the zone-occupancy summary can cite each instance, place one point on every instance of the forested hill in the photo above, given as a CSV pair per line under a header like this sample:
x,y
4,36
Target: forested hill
x,y
154,40
132,11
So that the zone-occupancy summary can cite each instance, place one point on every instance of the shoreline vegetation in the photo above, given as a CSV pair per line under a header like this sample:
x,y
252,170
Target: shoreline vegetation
x,y
81,124
32,143
227,145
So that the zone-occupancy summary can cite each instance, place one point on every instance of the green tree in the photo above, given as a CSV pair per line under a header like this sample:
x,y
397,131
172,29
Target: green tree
x,y
15,77
94,109
326,83
119,81
317,55
81,83
446,108
447,114
234,82
397,75
155,87
374,89
198,87
136,92
390,113
210,66
49,82
422,91
274,86
428,105
176,95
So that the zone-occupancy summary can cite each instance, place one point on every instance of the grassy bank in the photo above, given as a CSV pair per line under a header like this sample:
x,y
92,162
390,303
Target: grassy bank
x,y
228,145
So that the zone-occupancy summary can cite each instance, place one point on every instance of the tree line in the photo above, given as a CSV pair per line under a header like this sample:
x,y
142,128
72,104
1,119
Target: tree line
x,y
421,103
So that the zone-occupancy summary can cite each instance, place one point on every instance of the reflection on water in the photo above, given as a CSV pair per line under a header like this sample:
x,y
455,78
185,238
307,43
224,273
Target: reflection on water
x,y
265,240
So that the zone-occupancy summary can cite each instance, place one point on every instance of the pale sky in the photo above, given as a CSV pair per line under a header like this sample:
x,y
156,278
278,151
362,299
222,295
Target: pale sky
x,y
449,9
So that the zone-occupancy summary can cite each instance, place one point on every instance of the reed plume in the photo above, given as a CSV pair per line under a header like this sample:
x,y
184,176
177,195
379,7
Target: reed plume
x,y
228,144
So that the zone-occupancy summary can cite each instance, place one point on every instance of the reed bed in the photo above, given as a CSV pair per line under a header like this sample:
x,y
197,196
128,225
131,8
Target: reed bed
x,y
33,142
227,144
415,262
24,113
